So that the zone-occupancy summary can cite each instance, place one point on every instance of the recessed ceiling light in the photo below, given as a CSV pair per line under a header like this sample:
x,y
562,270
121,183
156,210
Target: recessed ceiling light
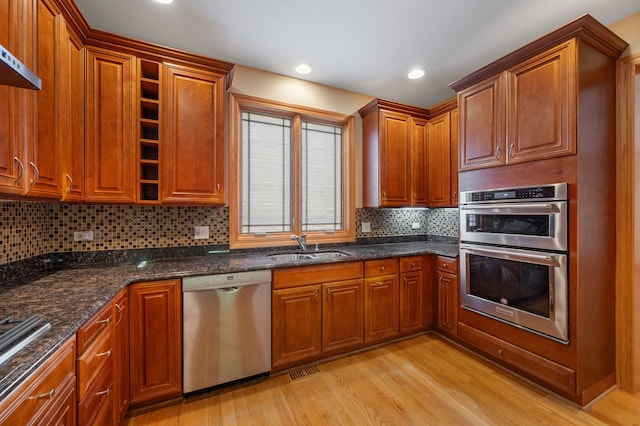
x,y
164,1
416,74
303,69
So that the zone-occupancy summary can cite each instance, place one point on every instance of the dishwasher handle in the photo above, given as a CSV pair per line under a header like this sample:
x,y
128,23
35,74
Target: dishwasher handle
x,y
229,290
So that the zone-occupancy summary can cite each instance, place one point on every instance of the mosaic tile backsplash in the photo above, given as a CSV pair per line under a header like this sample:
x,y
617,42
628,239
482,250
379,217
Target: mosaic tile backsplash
x,y
31,229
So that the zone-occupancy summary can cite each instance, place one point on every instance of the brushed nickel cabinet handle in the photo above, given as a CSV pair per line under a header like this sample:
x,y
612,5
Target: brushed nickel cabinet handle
x,y
19,178
36,171
46,395
384,195
405,282
107,353
70,181
315,296
104,392
120,309
105,321
511,147
498,153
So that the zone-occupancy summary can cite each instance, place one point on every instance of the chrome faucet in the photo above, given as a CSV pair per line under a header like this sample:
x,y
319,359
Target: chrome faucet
x,y
302,241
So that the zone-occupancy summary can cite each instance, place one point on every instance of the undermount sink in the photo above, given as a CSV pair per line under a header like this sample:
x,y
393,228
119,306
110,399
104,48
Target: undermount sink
x,y
312,255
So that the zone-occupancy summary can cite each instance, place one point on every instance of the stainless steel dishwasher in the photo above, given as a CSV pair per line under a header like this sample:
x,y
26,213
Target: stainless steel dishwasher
x,y
226,328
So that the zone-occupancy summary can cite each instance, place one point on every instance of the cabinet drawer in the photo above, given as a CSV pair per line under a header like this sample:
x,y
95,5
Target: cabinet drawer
x,y
93,360
556,375
94,326
42,390
316,274
96,408
375,268
410,264
448,264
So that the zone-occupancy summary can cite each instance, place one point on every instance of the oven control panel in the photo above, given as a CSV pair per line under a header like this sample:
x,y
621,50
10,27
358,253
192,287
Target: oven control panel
x,y
536,193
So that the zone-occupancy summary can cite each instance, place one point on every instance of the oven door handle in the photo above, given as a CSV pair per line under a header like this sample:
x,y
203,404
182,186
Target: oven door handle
x,y
514,208
541,259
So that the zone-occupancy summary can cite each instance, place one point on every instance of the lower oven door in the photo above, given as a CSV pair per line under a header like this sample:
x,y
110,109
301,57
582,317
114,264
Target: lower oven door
x,y
525,288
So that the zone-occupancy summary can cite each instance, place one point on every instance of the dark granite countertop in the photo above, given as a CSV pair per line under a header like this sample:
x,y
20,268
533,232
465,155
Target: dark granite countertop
x,y
69,298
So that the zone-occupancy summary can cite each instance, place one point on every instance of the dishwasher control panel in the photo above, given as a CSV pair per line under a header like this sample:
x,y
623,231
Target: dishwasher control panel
x,y
207,282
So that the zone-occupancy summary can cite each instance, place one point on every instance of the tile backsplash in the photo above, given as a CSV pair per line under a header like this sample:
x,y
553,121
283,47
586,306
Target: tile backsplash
x,y
30,229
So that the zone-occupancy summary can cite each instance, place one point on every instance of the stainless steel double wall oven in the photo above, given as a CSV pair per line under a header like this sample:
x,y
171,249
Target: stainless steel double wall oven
x,y
514,256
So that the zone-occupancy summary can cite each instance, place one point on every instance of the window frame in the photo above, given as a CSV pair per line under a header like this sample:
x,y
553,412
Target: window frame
x,y
297,114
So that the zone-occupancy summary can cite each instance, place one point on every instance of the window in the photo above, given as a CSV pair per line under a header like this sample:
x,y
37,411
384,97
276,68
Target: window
x,y
291,172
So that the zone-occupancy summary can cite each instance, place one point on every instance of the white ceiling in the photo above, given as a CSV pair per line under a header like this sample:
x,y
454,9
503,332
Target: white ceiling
x,y
365,46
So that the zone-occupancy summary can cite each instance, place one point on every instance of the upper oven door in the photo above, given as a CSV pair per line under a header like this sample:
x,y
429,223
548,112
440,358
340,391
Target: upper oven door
x,y
531,225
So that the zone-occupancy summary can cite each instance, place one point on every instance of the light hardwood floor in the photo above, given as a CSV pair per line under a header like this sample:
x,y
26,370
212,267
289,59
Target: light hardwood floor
x,y
424,380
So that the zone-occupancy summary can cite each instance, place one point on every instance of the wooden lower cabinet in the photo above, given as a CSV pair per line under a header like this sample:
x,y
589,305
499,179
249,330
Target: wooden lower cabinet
x,y
342,315
121,356
156,341
381,317
94,366
296,324
48,396
447,295
412,293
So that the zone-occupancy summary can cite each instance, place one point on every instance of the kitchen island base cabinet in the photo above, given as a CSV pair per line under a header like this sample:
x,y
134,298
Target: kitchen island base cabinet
x,y
156,341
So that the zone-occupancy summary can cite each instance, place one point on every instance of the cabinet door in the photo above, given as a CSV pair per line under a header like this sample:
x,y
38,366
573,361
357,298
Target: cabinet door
x,y
481,109
411,302
419,163
156,341
439,158
448,303
542,107
13,115
342,315
121,358
381,308
192,151
42,176
395,159
110,126
453,162
296,324
72,91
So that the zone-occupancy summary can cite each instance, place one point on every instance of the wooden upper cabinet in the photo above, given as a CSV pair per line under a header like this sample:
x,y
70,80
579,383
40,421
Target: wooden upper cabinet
x,y
192,149
453,161
419,162
394,149
72,77
439,158
110,132
481,108
525,113
42,174
541,106
14,119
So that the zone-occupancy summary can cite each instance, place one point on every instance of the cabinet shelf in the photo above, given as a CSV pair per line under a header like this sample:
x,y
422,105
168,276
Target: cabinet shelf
x,y
149,138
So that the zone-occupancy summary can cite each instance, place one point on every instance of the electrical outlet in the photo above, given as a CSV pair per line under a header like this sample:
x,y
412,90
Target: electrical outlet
x,y
201,232
415,225
366,226
83,236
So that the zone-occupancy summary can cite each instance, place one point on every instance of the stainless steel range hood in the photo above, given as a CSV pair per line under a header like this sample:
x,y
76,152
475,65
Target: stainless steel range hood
x,y
15,73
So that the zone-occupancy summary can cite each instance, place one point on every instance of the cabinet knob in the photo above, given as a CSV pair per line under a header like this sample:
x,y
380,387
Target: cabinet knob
x,y
499,351
382,268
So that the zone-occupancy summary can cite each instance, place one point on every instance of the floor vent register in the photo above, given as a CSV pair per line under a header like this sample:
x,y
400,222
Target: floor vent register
x,y
303,372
